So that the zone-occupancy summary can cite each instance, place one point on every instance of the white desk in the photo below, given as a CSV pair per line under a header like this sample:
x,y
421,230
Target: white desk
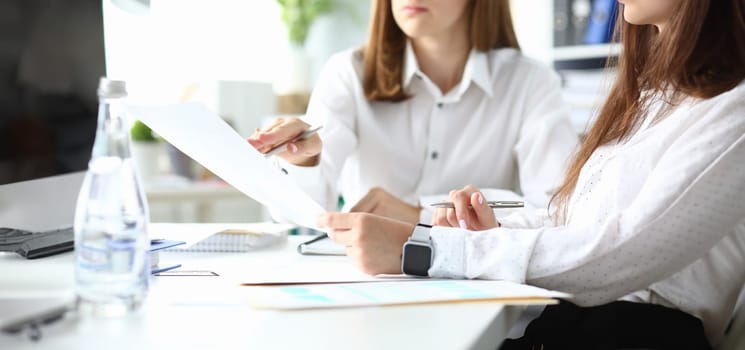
x,y
211,313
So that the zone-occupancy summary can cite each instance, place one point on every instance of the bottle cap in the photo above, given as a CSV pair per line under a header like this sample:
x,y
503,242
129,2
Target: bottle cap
x,y
111,88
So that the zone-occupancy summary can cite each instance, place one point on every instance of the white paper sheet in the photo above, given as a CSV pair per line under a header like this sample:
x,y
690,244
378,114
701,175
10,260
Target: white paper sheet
x,y
208,139
301,271
396,293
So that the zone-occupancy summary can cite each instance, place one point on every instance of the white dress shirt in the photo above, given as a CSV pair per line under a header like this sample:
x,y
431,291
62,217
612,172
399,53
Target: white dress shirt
x,y
503,126
658,218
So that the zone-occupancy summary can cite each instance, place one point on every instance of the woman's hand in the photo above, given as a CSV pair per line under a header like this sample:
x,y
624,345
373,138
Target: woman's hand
x,y
373,242
303,153
478,217
379,202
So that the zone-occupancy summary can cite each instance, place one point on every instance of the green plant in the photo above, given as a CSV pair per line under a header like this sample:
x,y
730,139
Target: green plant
x,y
142,133
298,16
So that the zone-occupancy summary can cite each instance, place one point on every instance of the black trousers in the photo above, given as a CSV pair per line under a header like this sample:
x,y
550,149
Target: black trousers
x,y
617,325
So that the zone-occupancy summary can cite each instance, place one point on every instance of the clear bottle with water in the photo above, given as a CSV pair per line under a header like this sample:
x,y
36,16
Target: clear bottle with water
x,y
111,217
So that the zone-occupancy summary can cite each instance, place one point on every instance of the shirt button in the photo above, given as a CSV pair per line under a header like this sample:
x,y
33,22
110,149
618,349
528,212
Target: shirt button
x,y
440,104
418,76
434,155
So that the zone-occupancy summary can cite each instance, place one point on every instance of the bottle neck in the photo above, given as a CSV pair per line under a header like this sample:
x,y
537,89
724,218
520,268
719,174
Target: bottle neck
x,y
112,134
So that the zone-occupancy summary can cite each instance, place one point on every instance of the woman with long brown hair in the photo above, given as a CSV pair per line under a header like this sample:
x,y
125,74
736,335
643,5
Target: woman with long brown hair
x,y
439,97
649,228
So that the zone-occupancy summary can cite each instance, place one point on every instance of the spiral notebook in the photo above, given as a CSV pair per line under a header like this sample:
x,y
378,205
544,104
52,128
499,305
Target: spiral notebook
x,y
240,238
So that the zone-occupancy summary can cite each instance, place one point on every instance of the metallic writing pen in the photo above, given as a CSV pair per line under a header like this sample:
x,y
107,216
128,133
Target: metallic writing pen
x,y
283,146
491,204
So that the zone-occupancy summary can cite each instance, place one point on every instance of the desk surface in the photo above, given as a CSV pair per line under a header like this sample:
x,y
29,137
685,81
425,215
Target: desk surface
x,y
211,312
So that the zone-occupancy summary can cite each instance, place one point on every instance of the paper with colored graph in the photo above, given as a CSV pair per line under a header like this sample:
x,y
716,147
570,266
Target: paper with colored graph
x,y
314,296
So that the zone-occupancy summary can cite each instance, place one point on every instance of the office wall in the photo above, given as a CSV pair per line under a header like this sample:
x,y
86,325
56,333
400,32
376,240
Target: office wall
x,y
179,40
175,44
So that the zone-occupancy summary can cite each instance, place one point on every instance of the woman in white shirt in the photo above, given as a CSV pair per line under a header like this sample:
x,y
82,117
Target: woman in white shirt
x,y
439,97
650,219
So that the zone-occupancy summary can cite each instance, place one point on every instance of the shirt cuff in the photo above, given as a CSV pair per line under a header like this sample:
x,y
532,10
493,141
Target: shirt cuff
x,y
449,251
309,178
526,219
496,254
296,171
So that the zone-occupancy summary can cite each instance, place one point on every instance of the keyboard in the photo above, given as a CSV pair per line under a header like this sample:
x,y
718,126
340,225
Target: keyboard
x,y
36,244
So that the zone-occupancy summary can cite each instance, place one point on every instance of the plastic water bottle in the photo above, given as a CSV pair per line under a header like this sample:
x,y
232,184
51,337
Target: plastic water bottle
x,y
111,217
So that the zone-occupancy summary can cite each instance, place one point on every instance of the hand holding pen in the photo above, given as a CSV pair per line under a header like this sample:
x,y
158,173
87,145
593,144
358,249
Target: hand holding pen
x,y
290,139
490,204
468,209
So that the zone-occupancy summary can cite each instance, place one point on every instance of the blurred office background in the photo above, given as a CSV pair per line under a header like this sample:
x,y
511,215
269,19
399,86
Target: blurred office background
x,y
235,56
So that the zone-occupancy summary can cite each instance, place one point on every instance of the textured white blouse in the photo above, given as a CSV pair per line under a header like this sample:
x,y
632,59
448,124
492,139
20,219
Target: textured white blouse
x,y
503,126
658,218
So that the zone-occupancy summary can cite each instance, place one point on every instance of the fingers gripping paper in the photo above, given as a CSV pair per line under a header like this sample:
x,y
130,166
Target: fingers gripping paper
x,y
208,139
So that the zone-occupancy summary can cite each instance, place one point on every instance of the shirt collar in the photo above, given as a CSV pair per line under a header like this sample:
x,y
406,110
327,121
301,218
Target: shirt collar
x,y
476,70
411,66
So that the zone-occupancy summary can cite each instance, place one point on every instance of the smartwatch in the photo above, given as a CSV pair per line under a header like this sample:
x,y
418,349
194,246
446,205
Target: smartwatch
x,y
417,252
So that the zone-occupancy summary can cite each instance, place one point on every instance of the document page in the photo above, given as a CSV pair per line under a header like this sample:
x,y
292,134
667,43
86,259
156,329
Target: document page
x,y
314,296
207,138
301,271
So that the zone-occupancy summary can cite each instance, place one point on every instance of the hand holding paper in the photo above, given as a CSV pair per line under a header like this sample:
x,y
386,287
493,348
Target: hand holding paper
x,y
205,137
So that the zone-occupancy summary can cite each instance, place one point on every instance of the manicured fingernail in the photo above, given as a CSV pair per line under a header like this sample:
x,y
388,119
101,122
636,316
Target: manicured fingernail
x,y
293,148
462,224
481,198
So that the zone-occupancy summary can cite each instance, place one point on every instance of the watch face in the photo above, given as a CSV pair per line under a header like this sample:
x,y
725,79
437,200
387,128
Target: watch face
x,y
417,259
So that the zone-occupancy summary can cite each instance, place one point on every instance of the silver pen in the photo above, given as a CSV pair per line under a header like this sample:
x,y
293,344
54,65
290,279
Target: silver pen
x,y
491,204
283,146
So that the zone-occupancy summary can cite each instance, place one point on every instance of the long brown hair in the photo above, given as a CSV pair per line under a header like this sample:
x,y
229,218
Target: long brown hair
x,y
700,53
490,28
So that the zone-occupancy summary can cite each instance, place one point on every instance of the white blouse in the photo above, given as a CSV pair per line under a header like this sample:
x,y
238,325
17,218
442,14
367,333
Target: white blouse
x,y
659,218
504,126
